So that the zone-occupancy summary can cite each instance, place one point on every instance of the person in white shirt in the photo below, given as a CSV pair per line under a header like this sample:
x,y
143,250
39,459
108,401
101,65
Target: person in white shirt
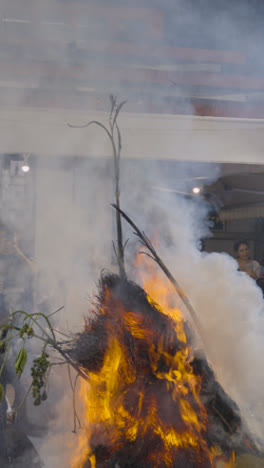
x,y
251,267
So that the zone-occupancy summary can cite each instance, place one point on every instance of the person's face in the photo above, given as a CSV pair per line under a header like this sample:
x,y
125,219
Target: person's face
x,y
243,252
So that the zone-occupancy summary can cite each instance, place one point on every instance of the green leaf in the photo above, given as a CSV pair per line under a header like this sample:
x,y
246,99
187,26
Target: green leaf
x,y
21,360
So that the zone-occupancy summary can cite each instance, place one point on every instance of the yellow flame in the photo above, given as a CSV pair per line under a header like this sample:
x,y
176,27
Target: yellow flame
x,y
112,422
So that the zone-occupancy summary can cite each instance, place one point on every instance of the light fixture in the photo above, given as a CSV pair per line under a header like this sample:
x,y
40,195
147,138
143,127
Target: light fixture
x,y
196,190
25,167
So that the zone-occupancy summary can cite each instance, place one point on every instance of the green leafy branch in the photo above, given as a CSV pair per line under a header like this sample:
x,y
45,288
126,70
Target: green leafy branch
x,y
25,326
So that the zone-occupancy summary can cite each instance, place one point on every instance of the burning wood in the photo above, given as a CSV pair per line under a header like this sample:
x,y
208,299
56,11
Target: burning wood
x,y
149,402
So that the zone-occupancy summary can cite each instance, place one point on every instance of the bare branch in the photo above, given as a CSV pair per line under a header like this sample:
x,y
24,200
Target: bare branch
x,y
119,141
55,312
116,146
125,244
118,110
148,255
95,122
113,104
73,387
158,260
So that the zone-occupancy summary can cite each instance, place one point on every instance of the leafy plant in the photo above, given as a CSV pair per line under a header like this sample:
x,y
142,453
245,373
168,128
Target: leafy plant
x,y
24,326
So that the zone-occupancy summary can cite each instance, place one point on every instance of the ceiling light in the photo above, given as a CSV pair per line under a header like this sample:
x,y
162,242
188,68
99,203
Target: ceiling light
x,y
25,168
196,190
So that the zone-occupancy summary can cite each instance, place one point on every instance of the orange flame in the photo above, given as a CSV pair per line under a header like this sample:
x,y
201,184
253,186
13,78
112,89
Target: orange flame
x,y
111,423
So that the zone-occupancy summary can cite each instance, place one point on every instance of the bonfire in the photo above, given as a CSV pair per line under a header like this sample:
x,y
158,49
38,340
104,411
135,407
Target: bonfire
x,y
150,402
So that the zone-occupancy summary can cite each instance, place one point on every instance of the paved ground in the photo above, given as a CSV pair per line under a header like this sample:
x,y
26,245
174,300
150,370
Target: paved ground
x,y
248,461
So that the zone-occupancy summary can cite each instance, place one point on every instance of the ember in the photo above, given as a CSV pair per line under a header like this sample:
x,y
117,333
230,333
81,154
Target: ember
x,y
150,402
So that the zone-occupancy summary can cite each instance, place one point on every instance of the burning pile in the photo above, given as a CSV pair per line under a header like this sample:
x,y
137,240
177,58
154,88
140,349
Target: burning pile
x,y
150,402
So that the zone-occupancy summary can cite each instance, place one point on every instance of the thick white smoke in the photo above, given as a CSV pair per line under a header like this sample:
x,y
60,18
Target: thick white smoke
x,y
229,305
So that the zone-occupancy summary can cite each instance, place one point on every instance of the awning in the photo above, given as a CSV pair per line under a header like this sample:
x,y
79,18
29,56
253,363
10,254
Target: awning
x,y
246,212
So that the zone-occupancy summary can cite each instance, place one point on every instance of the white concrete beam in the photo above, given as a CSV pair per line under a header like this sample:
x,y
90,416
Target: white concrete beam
x,y
44,131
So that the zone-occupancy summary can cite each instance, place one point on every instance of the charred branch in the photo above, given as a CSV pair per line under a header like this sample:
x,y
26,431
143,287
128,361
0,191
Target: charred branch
x,y
153,254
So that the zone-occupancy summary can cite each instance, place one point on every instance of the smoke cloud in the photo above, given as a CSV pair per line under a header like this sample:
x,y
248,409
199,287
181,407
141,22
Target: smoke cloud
x,y
228,303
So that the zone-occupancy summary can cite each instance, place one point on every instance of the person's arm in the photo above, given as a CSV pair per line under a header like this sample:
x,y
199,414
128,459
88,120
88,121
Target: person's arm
x,y
250,269
253,269
256,269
